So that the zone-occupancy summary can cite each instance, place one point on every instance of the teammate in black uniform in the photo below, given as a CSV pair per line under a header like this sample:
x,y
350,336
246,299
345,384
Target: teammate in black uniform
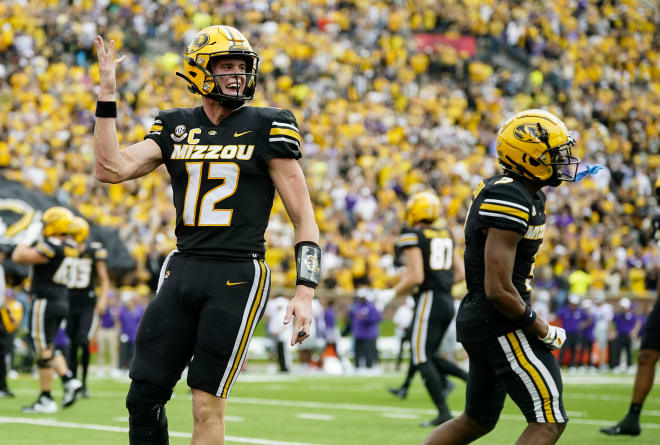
x,y
50,304
649,353
508,346
432,267
83,302
225,161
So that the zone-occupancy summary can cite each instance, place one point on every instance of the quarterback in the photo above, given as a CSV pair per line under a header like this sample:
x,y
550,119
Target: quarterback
x,y
225,160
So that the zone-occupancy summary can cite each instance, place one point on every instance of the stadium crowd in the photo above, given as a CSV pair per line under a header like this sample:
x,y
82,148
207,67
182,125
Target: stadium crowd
x,y
382,116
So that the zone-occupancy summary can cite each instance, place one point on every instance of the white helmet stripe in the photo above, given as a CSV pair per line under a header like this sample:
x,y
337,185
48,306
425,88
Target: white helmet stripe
x,y
227,32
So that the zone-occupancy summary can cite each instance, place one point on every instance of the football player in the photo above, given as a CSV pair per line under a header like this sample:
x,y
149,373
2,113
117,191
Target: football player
x,y
509,347
432,267
649,353
50,304
225,160
84,306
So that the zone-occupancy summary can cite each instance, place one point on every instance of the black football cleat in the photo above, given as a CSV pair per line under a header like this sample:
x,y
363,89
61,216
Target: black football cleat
x,y
623,428
399,392
437,421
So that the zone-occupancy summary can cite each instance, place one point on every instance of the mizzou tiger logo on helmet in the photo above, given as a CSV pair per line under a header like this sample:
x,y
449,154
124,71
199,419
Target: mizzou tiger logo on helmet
x,y
198,43
527,133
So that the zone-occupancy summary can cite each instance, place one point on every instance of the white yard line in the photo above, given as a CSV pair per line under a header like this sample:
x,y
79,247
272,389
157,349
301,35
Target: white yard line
x,y
400,416
314,416
117,429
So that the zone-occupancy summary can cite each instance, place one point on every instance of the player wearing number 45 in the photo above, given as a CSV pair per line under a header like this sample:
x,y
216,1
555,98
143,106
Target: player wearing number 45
x,y
225,161
509,347
49,259
432,267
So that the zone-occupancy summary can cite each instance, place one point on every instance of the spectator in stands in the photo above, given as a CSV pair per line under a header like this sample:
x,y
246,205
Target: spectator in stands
x,y
571,317
130,314
587,335
626,325
365,321
107,338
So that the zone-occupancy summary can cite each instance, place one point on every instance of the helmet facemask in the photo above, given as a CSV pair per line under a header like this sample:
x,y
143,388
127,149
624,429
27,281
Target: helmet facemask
x,y
560,158
235,100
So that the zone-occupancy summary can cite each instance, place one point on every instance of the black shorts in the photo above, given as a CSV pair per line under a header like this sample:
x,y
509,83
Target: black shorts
x,y
81,322
433,313
46,316
204,309
651,338
517,364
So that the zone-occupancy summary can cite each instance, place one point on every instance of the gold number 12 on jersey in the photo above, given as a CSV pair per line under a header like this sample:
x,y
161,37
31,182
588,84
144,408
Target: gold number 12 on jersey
x,y
228,172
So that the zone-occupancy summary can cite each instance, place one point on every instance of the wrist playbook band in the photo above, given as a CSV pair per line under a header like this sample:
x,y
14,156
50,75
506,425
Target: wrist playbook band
x,y
308,263
106,109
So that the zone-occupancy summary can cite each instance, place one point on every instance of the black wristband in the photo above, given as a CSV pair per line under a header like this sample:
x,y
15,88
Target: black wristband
x,y
527,318
106,109
308,264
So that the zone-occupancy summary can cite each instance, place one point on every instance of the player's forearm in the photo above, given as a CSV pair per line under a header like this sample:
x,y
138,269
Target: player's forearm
x,y
107,157
509,302
407,284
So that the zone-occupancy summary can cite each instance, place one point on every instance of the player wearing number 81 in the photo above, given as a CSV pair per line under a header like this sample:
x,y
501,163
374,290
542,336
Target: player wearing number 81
x,y
225,161
432,266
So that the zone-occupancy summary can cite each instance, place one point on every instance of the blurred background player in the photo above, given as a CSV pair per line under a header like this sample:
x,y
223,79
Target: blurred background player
x,y
278,332
365,322
626,325
508,346
86,271
9,322
646,360
432,266
571,316
50,277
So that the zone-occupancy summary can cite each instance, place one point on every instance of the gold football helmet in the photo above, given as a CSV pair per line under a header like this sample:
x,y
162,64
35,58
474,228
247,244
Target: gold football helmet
x,y
79,228
422,207
218,41
536,145
56,221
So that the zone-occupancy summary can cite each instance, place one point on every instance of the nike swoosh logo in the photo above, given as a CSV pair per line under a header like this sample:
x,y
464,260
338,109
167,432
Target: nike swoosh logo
x,y
237,134
229,283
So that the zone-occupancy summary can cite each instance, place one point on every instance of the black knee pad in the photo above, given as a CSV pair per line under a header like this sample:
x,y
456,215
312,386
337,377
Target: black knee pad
x,y
147,418
44,363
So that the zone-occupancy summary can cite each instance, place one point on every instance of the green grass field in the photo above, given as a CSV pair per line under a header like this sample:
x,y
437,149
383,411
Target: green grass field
x,y
278,410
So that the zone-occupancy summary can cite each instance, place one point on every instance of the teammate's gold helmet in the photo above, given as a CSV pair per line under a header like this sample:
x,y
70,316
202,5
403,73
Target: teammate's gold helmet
x,y
536,145
218,41
56,221
79,228
422,207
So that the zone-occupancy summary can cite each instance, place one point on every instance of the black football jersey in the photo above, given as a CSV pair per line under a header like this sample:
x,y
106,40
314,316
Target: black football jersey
x,y
437,248
82,272
49,280
503,203
223,193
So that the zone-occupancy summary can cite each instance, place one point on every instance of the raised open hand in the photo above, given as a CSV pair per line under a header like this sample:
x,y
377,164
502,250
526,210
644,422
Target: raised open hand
x,y
107,65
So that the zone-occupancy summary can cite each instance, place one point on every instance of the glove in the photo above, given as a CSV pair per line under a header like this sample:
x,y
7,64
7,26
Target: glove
x,y
385,296
555,337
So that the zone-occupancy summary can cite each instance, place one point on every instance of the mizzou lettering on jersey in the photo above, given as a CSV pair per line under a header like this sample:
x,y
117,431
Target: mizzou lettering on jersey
x,y
501,203
223,192
437,249
228,152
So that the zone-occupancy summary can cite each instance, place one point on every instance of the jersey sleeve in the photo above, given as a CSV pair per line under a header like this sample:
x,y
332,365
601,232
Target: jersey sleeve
x,y
408,238
100,253
49,247
158,132
505,207
283,137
